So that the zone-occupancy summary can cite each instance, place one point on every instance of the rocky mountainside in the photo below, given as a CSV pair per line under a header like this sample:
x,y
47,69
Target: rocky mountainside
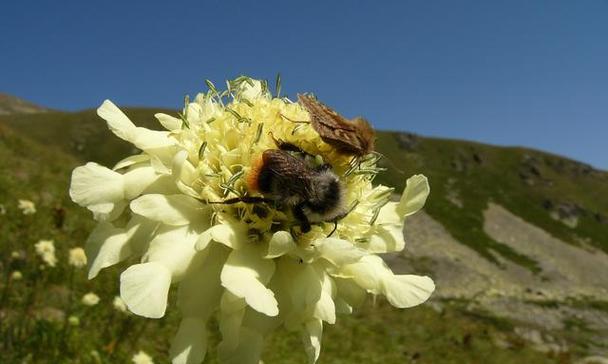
x,y
14,105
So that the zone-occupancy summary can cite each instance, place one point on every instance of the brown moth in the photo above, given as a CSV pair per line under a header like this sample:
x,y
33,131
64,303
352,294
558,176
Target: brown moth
x,y
353,137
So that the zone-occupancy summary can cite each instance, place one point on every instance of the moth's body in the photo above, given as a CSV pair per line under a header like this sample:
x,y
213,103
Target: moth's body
x,y
352,137
314,194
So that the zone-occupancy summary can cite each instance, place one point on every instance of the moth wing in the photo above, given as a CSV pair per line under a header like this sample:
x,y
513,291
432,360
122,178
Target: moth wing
x,y
335,130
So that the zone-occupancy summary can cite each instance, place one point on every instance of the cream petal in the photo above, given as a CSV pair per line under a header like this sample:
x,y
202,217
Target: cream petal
x,y
105,247
325,308
389,214
405,291
231,235
138,179
189,345
173,210
200,297
168,122
385,238
131,160
117,121
94,184
244,274
368,273
281,243
144,288
124,128
173,247
232,311
414,196
338,251
107,212
313,332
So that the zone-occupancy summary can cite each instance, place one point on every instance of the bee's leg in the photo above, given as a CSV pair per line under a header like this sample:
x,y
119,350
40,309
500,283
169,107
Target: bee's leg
x,y
299,214
334,230
245,199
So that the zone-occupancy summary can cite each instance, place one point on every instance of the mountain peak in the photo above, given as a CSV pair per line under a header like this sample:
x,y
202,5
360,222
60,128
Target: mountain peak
x,y
10,104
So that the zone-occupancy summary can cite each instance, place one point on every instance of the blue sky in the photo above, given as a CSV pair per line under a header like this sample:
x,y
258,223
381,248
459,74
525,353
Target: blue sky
x,y
521,72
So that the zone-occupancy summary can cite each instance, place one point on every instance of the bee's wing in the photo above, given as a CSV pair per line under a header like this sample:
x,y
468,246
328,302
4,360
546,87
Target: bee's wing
x,y
335,130
291,174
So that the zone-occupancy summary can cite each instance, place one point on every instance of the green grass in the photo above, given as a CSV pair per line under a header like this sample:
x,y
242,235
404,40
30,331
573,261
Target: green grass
x,y
33,310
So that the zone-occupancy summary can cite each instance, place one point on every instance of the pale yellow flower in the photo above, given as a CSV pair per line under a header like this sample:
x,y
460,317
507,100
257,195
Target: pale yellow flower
x,y
77,258
248,268
90,299
2,209
16,275
46,250
27,207
74,320
142,358
119,304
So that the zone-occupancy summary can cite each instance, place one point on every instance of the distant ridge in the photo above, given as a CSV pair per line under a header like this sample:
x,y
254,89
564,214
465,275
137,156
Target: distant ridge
x,y
10,104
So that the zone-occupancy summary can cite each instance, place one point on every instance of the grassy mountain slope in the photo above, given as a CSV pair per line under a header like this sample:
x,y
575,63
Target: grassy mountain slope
x,y
34,310
566,198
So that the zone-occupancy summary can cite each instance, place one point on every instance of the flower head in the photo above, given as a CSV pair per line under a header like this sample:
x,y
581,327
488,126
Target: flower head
x,y
90,299
142,358
187,206
27,207
46,250
77,258
74,320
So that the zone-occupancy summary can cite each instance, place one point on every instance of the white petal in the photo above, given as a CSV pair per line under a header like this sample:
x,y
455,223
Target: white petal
x,y
144,288
124,128
232,311
169,122
338,251
325,309
105,247
138,179
117,121
312,339
131,160
200,297
173,247
389,214
173,210
190,343
414,196
281,243
243,275
94,184
408,290
368,273
107,212
230,235
385,238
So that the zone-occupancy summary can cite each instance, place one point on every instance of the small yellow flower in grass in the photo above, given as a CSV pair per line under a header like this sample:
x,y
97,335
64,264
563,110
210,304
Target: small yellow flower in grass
x,y
2,209
119,304
90,299
74,320
247,263
142,358
17,255
16,276
46,250
27,207
77,258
